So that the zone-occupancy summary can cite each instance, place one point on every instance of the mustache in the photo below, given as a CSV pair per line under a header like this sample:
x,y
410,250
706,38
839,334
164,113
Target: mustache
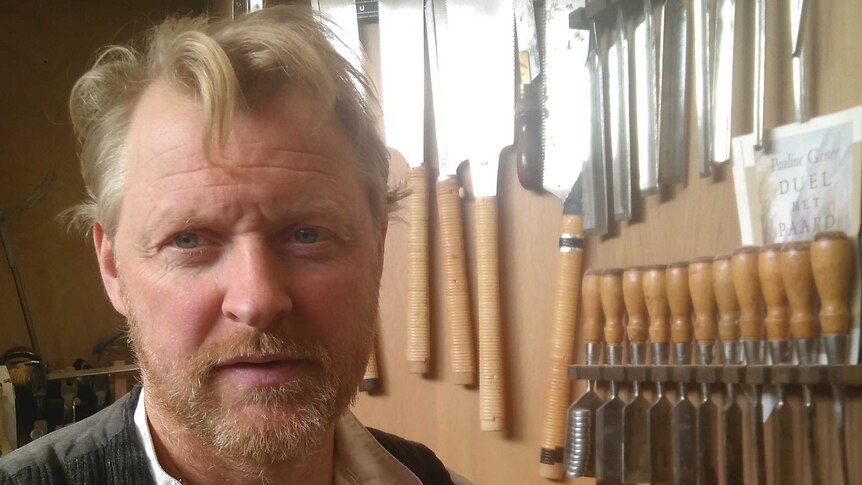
x,y
260,345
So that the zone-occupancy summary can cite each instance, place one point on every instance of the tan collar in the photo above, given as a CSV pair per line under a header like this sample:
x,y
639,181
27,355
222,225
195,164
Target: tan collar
x,y
360,459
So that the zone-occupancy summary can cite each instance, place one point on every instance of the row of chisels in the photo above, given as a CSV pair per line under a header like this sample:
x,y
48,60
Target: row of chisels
x,y
741,301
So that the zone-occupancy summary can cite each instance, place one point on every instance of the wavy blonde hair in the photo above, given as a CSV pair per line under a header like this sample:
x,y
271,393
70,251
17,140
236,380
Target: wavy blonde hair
x,y
228,66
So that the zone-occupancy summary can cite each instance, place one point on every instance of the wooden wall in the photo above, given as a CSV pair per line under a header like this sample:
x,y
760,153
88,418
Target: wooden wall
x,y
45,46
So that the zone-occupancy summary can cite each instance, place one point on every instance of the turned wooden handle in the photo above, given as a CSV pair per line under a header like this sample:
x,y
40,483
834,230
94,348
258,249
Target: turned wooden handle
x,y
832,265
594,317
611,292
655,294
569,259
455,285
490,346
5,445
371,379
725,299
746,283
769,271
418,326
702,299
679,300
799,286
633,295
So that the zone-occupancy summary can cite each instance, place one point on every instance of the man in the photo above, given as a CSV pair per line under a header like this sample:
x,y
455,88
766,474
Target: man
x,y
238,204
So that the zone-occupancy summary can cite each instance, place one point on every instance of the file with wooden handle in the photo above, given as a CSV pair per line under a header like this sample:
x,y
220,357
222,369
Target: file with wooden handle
x,y
655,294
683,423
609,417
705,330
635,414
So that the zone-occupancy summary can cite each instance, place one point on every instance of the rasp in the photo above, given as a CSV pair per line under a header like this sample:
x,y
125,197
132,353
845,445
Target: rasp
x,y
655,295
635,417
746,284
485,36
673,133
832,265
728,335
702,44
798,15
799,286
618,113
609,417
705,327
528,114
722,95
595,172
580,423
565,53
683,437
402,54
777,322
455,288
646,81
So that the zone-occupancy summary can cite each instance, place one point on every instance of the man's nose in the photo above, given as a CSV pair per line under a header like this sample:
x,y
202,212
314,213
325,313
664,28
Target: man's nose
x,y
255,291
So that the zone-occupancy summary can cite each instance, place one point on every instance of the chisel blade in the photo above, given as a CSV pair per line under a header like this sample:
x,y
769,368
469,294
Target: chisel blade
x,y
731,439
620,128
707,473
673,133
635,448
591,402
609,441
784,464
683,446
660,441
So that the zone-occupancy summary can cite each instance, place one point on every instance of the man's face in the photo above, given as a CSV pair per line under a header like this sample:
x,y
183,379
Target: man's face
x,y
250,284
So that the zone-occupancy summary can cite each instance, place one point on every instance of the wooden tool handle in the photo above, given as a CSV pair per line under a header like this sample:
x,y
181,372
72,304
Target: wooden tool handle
x,y
725,299
769,270
371,379
457,296
633,294
611,293
569,260
655,295
679,300
5,445
832,265
418,326
799,286
746,283
490,345
702,299
594,317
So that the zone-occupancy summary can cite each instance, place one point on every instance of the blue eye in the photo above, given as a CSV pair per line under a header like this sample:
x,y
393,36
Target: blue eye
x,y
186,240
306,235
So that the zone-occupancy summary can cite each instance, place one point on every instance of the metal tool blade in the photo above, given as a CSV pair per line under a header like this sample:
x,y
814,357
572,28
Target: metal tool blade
x,y
609,440
586,466
784,463
595,189
673,146
528,113
342,13
754,393
635,419
618,109
722,100
706,453
442,82
646,83
528,42
731,438
683,441
660,441
759,71
798,14
702,25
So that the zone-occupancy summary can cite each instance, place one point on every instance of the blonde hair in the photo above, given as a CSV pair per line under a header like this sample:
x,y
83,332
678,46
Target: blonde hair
x,y
228,66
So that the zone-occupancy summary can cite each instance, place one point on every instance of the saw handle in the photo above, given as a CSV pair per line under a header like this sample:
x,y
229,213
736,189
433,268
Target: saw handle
x,y
491,412
746,283
528,139
418,323
679,300
725,299
655,294
769,270
633,295
702,299
569,260
461,347
799,285
832,265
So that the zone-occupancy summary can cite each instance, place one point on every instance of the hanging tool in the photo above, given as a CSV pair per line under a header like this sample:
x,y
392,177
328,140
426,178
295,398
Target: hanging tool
x,y
746,283
647,85
609,417
728,335
618,114
486,109
798,16
673,104
722,99
595,171
371,380
635,414
528,115
799,286
7,412
580,425
702,25
683,424
455,288
655,294
759,71
832,265
777,332
705,327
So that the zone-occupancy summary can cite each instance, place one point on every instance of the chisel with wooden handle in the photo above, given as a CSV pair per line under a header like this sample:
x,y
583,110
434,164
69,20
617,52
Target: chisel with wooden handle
x,y
705,328
635,415
580,423
655,294
777,332
728,335
832,265
746,283
609,417
799,287
683,425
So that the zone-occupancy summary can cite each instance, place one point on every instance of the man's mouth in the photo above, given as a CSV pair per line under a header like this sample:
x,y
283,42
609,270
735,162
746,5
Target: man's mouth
x,y
264,371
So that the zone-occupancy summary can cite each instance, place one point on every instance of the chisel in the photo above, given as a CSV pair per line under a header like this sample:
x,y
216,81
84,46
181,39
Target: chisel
x,y
655,295
746,283
759,71
673,104
646,83
722,94
595,188
609,417
728,335
619,117
832,266
703,301
702,26
776,323
580,425
798,13
799,286
635,447
683,442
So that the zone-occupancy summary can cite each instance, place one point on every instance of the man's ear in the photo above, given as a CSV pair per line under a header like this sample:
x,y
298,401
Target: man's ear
x,y
108,267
